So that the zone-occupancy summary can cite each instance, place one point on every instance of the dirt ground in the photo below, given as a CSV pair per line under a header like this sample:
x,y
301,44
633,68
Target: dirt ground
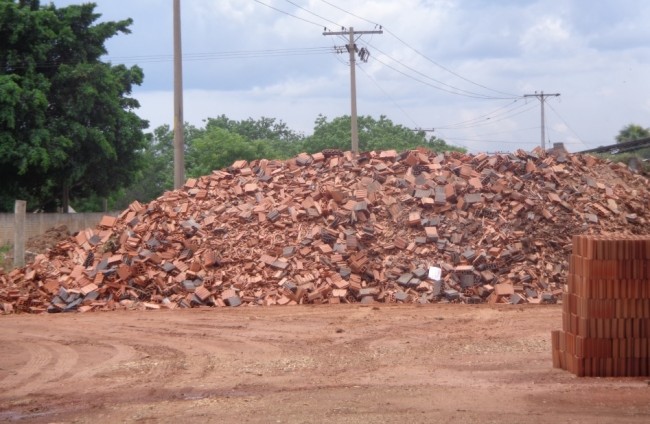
x,y
335,364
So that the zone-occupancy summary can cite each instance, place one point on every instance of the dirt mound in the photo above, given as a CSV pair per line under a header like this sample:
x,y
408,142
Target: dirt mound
x,y
41,243
330,227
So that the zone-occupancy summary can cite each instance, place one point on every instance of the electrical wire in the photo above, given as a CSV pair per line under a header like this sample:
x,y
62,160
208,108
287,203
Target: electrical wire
x,y
478,117
491,141
193,57
507,131
447,69
480,124
288,14
568,126
314,14
418,52
388,95
427,83
238,54
488,118
460,90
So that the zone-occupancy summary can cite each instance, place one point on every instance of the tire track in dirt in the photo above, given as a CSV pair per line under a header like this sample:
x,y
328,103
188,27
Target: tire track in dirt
x,y
47,362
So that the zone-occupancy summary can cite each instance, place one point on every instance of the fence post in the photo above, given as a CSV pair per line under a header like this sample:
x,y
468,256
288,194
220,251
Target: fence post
x,y
19,232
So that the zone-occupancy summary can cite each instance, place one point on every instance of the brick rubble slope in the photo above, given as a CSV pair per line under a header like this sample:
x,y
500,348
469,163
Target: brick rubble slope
x,y
331,228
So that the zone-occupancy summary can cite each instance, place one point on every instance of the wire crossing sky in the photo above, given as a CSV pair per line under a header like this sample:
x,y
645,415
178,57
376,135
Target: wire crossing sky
x,y
460,67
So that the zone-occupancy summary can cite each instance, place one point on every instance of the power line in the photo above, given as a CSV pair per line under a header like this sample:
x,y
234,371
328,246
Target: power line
x,y
492,121
196,57
497,141
388,95
568,126
288,14
507,131
429,84
314,14
460,90
237,54
418,52
478,117
492,141
478,122
449,70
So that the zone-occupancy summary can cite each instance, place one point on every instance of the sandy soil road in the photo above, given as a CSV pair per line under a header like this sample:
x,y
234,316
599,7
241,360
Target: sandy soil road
x,y
344,364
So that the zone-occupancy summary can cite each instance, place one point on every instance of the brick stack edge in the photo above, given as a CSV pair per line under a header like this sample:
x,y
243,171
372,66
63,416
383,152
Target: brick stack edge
x,y
606,310
332,227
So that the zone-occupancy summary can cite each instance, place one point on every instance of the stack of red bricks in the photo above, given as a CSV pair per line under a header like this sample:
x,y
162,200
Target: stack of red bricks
x,y
606,312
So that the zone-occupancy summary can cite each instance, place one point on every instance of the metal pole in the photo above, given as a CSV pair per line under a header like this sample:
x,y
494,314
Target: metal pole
x,y
541,98
179,142
353,97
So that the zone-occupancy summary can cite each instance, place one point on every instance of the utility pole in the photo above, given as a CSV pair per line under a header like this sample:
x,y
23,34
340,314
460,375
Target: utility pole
x,y
542,97
179,142
363,55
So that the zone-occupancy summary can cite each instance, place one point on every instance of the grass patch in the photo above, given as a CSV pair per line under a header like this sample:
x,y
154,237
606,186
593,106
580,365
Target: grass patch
x,y
6,261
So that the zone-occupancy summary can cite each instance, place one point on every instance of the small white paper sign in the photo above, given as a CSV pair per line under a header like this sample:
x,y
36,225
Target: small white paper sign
x,y
435,273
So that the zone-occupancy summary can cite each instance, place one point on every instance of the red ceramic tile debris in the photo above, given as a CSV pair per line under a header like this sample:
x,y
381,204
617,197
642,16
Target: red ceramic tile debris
x,y
345,228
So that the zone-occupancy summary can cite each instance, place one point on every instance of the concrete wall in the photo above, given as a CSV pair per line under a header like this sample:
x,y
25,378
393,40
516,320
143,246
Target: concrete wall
x,y
38,223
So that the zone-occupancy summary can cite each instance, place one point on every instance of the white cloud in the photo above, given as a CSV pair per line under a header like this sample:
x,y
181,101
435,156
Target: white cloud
x,y
299,113
597,57
210,12
549,34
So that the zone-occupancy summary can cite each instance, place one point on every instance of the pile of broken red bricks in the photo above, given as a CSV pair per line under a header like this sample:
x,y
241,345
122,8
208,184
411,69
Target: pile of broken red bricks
x,y
333,227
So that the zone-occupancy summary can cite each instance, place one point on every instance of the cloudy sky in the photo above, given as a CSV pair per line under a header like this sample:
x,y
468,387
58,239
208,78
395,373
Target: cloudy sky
x,y
461,67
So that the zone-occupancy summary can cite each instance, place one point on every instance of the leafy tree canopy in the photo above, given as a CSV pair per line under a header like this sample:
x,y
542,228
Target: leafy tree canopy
x,y
67,124
374,134
218,148
632,132
260,129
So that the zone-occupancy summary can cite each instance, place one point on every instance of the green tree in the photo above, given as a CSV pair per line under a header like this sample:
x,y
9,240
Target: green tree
x,y
282,141
67,124
632,132
218,148
157,172
381,134
261,129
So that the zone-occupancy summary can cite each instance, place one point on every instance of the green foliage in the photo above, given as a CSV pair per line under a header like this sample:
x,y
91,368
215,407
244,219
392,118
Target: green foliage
x,y
218,148
374,134
261,129
157,172
5,258
632,132
283,142
67,123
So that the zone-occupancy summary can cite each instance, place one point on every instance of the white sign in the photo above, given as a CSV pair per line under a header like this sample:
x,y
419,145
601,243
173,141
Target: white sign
x,y
435,273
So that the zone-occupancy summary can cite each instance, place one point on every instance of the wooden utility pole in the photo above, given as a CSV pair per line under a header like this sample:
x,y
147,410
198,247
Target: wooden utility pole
x,y
542,97
352,49
179,142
